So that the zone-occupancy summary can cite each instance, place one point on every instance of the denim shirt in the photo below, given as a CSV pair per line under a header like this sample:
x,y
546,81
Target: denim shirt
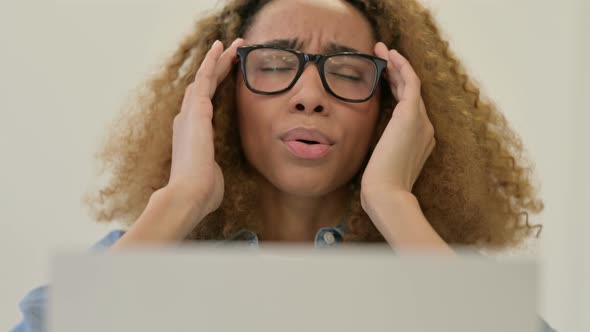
x,y
33,306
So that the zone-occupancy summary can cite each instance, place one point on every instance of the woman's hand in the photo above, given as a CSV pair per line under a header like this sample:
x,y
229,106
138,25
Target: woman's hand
x,y
195,175
396,163
408,139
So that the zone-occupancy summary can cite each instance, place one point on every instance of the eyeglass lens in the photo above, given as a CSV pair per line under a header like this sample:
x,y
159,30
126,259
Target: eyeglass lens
x,y
348,76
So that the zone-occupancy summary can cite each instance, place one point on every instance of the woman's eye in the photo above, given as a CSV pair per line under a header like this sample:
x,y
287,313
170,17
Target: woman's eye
x,y
349,77
274,69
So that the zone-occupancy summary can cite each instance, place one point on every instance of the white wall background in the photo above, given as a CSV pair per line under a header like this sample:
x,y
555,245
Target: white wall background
x,y
68,65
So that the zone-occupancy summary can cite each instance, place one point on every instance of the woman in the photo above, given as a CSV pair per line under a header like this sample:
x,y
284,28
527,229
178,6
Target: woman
x,y
328,121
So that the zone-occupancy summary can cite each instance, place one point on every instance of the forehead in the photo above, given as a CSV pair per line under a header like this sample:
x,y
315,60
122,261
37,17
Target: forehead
x,y
314,23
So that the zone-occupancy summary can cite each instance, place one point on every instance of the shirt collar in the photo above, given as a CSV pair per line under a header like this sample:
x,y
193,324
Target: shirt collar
x,y
325,237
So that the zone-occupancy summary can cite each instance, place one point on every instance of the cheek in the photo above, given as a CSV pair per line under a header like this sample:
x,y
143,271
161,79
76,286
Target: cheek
x,y
246,120
253,126
361,127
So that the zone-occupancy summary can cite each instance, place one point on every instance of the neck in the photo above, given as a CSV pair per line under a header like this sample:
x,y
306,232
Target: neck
x,y
293,218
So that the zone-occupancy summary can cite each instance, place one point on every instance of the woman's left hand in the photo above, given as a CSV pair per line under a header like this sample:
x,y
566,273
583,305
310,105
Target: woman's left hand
x,y
408,139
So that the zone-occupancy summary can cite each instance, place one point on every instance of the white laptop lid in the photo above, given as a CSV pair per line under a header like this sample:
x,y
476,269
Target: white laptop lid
x,y
201,288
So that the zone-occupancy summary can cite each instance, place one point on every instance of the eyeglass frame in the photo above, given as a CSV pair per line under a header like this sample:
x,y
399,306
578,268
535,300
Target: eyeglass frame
x,y
319,60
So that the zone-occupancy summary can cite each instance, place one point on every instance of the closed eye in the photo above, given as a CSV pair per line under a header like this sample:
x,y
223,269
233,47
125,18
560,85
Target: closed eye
x,y
347,77
267,69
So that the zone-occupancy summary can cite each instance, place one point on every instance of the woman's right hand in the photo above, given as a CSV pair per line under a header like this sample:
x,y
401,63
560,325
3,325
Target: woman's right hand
x,y
195,175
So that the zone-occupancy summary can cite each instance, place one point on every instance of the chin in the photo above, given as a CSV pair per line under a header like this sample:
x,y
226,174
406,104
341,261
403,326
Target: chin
x,y
304,185
299,179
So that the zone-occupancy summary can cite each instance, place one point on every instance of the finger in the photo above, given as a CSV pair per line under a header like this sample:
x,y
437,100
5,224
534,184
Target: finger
x,y
226,61
431,147
411,82
203,77
187,93
392,75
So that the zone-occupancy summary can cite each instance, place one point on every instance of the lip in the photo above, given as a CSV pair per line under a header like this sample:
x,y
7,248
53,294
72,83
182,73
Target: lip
x,y
293,137
307,134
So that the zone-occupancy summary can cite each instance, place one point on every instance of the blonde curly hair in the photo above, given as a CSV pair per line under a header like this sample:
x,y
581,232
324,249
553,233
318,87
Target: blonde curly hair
x,y
475,189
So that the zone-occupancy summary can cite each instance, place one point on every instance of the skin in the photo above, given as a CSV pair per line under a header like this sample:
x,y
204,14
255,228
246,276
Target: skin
x,y
298,197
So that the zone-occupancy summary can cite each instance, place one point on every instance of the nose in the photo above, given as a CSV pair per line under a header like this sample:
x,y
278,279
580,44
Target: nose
x,y
309,93
317,109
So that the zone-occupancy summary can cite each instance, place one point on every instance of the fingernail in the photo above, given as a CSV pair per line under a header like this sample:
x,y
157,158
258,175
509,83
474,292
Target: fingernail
x,y
215,43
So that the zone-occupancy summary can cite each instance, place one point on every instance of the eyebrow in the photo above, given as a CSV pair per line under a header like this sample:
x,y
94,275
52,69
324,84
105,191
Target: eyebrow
x,y
337,48
295,43
285,43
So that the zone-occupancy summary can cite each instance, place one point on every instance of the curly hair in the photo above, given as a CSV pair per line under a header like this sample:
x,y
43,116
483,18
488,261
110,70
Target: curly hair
x,y
475,189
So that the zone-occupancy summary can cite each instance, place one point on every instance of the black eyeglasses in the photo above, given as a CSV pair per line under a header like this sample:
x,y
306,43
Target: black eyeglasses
x,y
348,76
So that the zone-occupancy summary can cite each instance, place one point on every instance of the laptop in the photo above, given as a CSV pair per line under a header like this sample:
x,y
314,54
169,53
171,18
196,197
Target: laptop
x,y
278,288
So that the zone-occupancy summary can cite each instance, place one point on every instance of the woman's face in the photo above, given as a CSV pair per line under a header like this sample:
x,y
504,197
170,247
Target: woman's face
x,y
269,123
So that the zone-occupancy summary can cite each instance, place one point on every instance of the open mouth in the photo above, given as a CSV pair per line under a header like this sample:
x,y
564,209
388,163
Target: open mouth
x,y
308,149
307,142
